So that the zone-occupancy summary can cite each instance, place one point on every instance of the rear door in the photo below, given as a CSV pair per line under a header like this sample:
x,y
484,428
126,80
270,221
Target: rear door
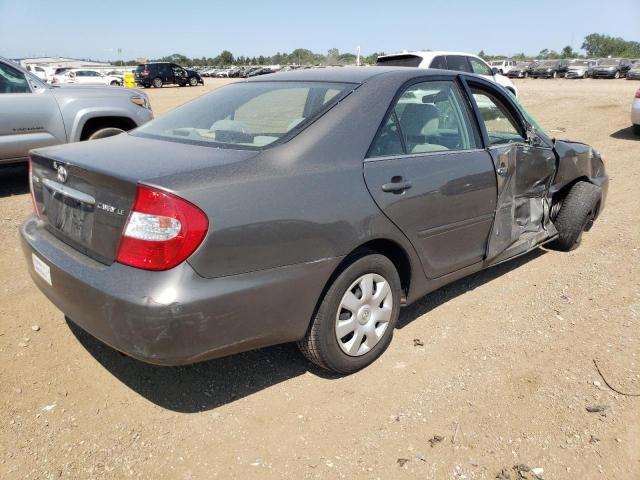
x,y
29,116
427,171
525,166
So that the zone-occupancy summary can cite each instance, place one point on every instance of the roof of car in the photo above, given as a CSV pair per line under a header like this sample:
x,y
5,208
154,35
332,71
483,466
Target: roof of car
x,y
348,74
429,53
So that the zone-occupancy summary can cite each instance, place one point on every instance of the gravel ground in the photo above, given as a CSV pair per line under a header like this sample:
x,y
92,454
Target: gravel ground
x,y
487,374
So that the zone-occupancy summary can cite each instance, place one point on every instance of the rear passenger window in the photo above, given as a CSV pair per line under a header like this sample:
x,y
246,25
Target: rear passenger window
x,y
439,62
458,63
428,117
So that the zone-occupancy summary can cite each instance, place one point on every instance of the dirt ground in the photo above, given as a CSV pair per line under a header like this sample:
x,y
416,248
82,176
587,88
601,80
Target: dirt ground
x,y
488,373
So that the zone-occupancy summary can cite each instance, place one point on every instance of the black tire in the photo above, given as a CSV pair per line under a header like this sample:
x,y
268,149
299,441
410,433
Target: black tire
x,y
636,130
115,83
104,132
193,81
320,344
146,85
576,215
157,82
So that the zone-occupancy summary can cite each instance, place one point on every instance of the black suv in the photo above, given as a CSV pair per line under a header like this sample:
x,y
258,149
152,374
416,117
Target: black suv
x,y
158,74
612,68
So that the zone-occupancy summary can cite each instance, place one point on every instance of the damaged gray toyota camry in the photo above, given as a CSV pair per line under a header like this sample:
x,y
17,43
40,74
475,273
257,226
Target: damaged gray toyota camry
x,y
307,206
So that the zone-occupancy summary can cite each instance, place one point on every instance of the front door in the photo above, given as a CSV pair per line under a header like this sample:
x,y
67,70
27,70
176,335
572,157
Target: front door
x,y
525,167
428,173
30,118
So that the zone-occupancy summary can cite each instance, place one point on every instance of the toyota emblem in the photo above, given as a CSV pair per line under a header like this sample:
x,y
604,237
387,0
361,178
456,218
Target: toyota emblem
x,y
62,174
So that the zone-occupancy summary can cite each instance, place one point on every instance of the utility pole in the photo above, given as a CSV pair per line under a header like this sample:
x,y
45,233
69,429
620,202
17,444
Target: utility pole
x,y
358,56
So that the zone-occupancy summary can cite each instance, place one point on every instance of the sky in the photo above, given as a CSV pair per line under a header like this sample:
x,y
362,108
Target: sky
x,y
142,28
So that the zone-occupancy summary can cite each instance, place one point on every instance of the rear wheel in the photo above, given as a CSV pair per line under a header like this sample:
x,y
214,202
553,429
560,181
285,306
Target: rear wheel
x,y
193,81
114,83
636,129
616,75
157,82
104,133
555,74
354,323
577,213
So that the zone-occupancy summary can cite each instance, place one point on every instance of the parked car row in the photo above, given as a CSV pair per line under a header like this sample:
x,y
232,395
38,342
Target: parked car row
x,y
84,76
576,68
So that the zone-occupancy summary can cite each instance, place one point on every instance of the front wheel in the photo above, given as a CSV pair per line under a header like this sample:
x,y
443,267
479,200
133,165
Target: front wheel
x,y
354,323
193,81
555,74
115,83
616,75
577,214
636,129
157,82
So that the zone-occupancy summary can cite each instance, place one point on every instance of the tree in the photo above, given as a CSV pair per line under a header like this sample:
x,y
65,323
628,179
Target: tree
x,y
567,52
481,54
332,56
598,45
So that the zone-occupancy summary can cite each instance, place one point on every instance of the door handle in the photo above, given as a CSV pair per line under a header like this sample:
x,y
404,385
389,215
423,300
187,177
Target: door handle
x,y
502,171
396,187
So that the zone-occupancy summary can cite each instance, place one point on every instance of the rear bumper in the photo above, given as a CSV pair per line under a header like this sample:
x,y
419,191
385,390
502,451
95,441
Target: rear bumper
x,y
635,112
175,317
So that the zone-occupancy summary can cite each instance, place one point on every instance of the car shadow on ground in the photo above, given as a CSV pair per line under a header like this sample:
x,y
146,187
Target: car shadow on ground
x,y
625,134
14,180
208,385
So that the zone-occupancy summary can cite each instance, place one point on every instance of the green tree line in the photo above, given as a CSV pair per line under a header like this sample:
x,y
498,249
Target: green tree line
x,y
595,45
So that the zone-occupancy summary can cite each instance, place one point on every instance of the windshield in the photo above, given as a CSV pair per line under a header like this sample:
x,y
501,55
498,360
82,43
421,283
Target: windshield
x,y
609,61
579,63
249,115
407,60
548,63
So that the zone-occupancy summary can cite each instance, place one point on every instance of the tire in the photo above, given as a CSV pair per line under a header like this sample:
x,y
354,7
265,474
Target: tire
x,y
157,82
526,75
104,133
636,130
114,83
193,81
321,344
616,75
576,215
555,75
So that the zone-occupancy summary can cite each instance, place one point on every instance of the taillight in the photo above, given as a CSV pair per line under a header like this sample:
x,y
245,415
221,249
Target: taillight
x,y
146,72
162,231
638,93
33,195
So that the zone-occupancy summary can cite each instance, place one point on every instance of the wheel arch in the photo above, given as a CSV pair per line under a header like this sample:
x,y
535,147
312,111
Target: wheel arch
x,y
95,123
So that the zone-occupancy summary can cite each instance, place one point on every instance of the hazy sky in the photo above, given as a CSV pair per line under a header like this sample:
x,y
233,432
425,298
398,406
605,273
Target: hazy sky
x,y
142,28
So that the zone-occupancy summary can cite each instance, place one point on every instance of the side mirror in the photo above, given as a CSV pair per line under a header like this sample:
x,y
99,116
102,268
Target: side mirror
x,y
495,70
532,137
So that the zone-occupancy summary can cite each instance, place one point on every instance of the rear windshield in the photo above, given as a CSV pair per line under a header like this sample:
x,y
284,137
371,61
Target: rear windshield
x,y
249,116
140,68
400,61
609,61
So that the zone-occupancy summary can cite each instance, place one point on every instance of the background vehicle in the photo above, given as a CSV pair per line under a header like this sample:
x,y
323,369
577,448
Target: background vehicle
x,y
36,114
462,62
84,76
634,72
520,70
635,113
38,71
612,68
434,190
550,69
579,68
503,67
161,73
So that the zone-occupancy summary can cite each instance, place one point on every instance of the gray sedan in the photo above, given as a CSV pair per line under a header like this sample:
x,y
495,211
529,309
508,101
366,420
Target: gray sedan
x,y
305,206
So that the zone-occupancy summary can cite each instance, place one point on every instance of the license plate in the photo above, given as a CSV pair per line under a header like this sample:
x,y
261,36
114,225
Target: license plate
x,y
41,268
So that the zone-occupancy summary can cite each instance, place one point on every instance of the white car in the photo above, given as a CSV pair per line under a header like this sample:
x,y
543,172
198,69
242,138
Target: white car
x,y
38,71
464,62
503,66
85,76
635,113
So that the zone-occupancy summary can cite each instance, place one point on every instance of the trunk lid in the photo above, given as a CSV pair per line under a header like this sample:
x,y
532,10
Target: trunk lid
x,y
84,191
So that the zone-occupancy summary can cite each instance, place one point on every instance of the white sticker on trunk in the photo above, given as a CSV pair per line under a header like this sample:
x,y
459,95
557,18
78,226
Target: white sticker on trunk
x,y
41,268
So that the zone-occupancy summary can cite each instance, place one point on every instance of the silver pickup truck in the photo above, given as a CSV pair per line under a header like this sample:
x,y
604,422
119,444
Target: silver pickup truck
x,y
34,114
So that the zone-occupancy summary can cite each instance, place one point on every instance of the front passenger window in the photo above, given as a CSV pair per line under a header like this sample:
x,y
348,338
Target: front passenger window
x,y
12,80
479,67
500,124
